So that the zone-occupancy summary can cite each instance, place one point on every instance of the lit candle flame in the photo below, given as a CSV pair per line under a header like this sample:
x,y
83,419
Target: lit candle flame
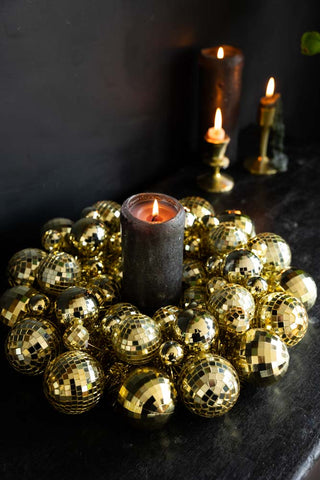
x,y
270,87
218,119
220,53
155,209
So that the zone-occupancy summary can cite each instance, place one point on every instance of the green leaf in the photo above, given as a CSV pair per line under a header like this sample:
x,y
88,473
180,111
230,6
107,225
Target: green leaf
x,y
310,43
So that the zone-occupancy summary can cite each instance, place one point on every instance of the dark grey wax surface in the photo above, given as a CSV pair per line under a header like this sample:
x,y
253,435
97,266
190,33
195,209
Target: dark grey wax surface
x,y
272,433
220,86
152,255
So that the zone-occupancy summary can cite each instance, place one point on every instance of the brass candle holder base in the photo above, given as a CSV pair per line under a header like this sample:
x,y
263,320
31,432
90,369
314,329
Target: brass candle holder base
x,y
259,166
216,182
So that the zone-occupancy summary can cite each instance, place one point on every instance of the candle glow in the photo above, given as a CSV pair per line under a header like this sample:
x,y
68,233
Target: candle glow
x,y
270,87
220,53
218,119
216,133
155,208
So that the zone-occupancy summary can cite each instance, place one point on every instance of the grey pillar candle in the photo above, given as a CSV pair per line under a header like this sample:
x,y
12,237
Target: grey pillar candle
x,y
220,86
152,251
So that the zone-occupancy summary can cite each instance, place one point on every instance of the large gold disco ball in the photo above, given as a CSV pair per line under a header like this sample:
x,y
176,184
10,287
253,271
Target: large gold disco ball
x,y
31,344
227,237
58,271
196,210
300,284
196,328
147,398
284,315
55,233
233,306
240,265
109,213
136,339
74,382
166,317
261,357
209,385
273,251
76,304
14,303
240,220
23,265
88,236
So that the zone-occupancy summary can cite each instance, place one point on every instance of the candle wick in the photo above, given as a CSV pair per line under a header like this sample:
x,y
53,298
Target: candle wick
x,y
154,218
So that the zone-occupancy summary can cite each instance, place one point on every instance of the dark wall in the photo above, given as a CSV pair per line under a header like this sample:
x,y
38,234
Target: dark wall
x,y
99,97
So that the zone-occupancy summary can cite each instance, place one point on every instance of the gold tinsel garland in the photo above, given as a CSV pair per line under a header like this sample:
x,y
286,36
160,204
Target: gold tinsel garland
x,y
243,307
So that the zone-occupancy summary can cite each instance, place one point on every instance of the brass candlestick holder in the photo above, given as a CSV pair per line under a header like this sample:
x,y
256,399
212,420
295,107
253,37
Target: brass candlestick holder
x,y
261,165
216,182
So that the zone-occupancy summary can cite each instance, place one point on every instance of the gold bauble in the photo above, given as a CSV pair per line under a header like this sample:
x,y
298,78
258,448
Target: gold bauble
x,y
59,223
74,382
147,398
92,266
273,251
113,316
109,212
196,328
38,304
58,271
104,289
54,234
54,241
195,296
90,212
226,237
23,265
114,269
136,339
192,244
88,236
14,303
261,357
209,221
214,265
76,304
171,353
257,286
300,284
117,373
209,385
283,315
233,306
76,337
240,220
193,272
107,323
166,317
214,284
31,344
241,264
122,310
114,244
196,208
